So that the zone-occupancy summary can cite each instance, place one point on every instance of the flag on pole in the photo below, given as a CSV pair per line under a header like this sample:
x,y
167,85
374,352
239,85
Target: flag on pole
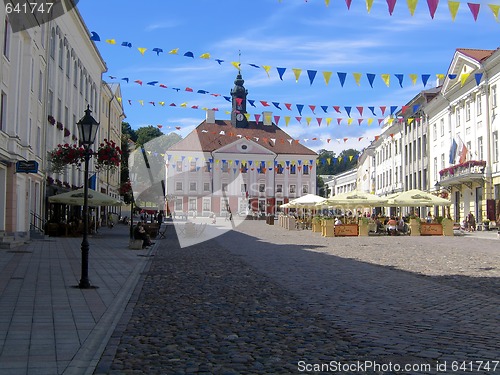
x,y
453,151
462,151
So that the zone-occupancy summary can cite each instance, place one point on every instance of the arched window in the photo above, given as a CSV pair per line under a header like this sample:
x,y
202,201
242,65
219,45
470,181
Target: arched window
x,y
68,63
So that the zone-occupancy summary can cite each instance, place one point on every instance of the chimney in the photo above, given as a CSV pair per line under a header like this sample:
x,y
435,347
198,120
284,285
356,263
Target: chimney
x,y
210,116
267,119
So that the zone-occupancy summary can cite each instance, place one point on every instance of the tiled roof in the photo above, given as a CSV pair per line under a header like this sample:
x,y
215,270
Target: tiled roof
x,y
477,54
209,137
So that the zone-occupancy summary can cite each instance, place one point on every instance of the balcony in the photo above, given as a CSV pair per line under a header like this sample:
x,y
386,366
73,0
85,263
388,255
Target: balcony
x,y
465,173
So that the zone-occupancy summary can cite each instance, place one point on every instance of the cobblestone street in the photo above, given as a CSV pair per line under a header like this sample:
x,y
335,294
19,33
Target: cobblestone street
x,y
262,300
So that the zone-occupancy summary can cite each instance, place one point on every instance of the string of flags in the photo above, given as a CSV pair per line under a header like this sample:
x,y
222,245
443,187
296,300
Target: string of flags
x,y
283,72
290,106
453,7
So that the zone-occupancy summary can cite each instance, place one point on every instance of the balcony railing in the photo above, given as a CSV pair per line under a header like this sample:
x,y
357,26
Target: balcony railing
x,y
466,170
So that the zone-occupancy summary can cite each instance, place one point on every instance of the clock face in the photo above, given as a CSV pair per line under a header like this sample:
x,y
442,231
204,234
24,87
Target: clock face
x,y
239,117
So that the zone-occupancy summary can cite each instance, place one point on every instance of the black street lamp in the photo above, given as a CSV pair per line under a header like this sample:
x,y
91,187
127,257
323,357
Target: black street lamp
x,y
87,129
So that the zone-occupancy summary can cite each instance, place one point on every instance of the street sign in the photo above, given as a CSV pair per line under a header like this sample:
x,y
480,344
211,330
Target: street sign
x,y
27,166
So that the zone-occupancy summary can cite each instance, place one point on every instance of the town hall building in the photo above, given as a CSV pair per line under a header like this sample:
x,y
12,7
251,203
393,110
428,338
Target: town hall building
x,y
239,165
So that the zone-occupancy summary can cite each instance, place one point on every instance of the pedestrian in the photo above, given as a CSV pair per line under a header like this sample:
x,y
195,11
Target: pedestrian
x,y
471,222
159,218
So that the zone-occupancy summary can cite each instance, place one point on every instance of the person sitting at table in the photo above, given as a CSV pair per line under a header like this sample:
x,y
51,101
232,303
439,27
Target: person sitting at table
x,y
338,221
379,224
392,225
140,234
401,225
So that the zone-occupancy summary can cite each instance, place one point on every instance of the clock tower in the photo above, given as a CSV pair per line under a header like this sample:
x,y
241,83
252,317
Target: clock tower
x,y
239,103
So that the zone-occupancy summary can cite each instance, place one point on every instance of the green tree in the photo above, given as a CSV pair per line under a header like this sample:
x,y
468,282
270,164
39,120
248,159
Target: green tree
x,y
145,134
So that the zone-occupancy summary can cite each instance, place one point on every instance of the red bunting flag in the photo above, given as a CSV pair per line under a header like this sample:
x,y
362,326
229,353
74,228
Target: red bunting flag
x,y
288,106
264,103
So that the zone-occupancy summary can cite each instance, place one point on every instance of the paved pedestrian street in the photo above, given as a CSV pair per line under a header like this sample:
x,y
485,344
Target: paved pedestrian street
x,y
263,300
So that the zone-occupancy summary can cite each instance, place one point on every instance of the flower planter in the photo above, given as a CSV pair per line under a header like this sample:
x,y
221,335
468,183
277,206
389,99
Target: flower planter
x,y
431,229
316,226
364,228
346,230
414,227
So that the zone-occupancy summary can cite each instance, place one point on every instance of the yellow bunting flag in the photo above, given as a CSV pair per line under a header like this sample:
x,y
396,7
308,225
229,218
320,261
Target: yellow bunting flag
x,y
184,105
494,8
357,78
161,103
174,51
369,121
327,76
141,102
329,160
328,121
247,115
390,121
268,118
119,99
350,157
410,120
412,4
308,120
369,4
386,78
287,120
266,68
413,78
296,73
110,41
142,50
453,7
349,121
440,77
463,78
205,56
327,2
236,64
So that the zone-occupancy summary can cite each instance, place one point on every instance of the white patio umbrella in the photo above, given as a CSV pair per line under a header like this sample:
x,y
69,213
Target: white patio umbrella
x,y
355,198
306,201
75,198
417,198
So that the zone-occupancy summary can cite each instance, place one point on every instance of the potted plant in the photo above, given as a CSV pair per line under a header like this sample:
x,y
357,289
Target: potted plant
x,y
414,225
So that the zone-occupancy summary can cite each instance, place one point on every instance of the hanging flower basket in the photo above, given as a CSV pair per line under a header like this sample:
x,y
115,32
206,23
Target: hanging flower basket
x,y
59,125
67,133
51,120
108,156
64,155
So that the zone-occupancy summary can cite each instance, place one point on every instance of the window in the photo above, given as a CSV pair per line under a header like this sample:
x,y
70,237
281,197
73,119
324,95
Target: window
x,y
479,104
480,148
458,117
419,148
68,63
244,168
52,43
262,168
442,161
434,131
40,86
3,111
193,206
291,189
292,169
262,188
178,186
192,186
178,204
192,166
178,166
467,111
224,186
75,73
206,186
441,126
207,166
225,166
60,55
6,38
243,188
306,169
206,204
495,146
424,145
279,169
305,189
436,169
493,96
279,188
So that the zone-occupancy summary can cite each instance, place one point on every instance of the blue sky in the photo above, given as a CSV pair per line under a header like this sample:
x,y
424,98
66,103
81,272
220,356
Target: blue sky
x,y
288,34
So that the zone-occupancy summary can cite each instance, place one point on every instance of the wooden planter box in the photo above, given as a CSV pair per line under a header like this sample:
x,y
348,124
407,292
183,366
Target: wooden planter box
x,y
327,228
346,230
431,229
363,229
316,226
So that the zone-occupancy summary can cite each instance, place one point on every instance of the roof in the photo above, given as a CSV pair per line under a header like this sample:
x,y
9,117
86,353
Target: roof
x,y
477,54
212,136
